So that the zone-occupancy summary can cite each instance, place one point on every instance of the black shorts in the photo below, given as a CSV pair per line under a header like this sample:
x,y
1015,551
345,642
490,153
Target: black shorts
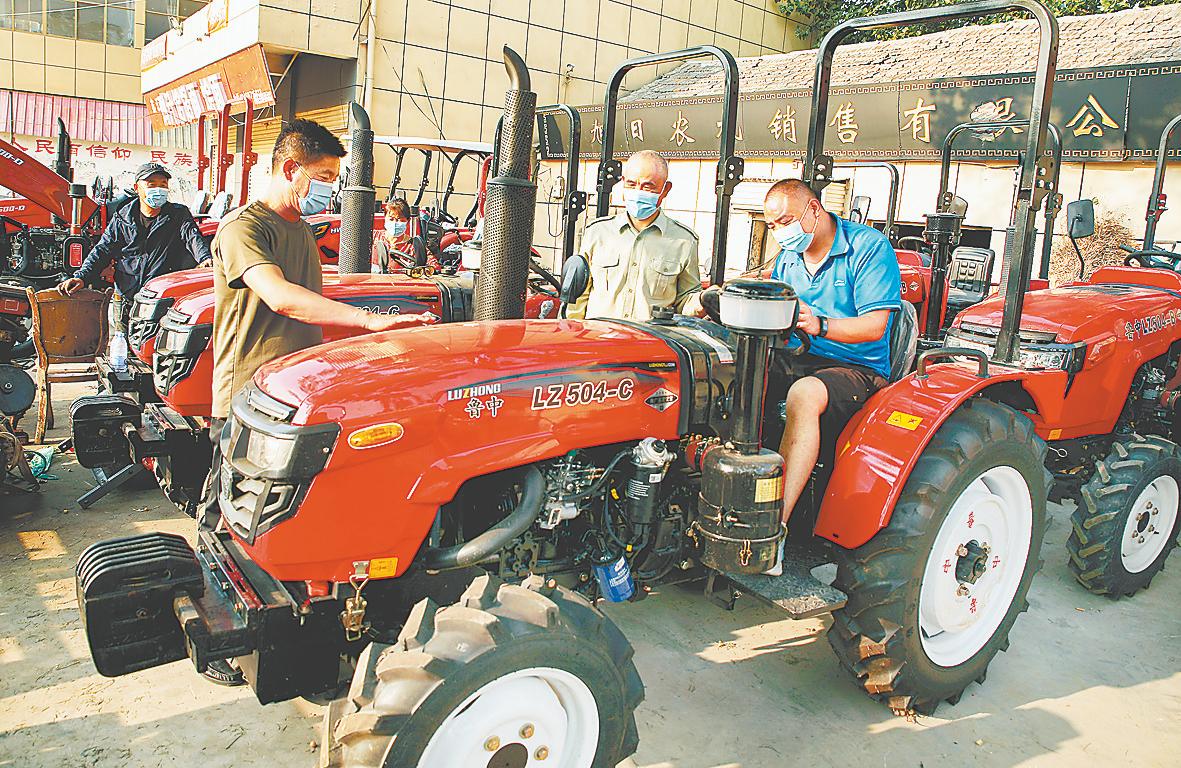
x,y
848,385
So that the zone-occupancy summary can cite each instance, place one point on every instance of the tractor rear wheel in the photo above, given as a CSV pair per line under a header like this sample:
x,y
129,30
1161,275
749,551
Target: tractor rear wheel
x,y
1127,520
509,676
933,596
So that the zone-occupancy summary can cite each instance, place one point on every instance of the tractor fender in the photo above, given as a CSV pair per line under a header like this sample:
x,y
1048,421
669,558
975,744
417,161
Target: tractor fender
x,y
879,448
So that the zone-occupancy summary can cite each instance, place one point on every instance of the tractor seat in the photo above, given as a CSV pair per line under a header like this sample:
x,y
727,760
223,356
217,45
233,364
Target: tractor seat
x,y
200,202
904,340
969,278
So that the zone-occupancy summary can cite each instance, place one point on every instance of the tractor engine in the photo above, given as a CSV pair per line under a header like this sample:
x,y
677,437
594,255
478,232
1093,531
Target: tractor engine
x,y
37,253
1153,407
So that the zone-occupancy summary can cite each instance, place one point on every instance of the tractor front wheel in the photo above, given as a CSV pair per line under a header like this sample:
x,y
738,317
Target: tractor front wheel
x,y
510,676
1127,520
933,596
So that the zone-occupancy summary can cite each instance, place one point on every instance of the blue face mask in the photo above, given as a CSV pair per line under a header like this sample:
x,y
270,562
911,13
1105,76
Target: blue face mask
x,y
318,196
640,204
156,197
396,228
793,238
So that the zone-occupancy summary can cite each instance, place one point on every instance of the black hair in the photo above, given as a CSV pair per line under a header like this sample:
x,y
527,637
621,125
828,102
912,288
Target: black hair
x,y
304,141
398,207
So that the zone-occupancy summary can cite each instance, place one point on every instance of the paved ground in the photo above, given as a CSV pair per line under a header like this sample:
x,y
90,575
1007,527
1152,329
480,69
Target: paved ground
x,y
1087,682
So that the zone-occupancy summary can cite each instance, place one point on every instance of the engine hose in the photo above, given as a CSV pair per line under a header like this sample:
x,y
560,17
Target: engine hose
x,y
498,536
601,483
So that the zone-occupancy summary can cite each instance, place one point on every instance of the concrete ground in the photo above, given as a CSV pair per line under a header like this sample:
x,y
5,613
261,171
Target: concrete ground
x,y
1087,681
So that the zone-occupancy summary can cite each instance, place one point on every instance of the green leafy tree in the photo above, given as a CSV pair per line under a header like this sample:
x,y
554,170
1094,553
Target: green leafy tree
x,y
823,15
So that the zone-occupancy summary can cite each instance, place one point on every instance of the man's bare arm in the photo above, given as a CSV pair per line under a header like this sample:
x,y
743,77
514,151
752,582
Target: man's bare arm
x,y
295,301
848,330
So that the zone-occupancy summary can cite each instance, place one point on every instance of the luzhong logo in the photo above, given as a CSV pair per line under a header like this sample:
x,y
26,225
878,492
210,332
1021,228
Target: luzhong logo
x,y
463,393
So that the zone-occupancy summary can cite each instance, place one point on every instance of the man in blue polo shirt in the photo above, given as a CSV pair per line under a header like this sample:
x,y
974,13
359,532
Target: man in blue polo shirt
x,y
847,278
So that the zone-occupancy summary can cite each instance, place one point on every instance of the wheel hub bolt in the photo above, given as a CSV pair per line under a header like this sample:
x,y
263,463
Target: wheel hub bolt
x,y
527,731
541,753
962,590
962,551
492,744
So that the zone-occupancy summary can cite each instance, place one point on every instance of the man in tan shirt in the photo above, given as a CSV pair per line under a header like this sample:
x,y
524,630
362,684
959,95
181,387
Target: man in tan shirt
x,y
640,257
267,284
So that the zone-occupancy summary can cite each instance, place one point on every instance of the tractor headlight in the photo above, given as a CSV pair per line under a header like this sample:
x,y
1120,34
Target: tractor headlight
x,y
1038,350
267,451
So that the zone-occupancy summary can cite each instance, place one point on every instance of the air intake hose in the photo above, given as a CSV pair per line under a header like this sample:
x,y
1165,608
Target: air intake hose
x,y
498,536
356,212
508,222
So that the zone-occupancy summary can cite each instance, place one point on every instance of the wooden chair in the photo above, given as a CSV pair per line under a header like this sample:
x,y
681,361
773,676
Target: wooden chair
x,y
67,330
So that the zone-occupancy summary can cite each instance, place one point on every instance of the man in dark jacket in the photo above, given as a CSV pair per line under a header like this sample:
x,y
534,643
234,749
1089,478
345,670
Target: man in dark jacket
x,y
145,239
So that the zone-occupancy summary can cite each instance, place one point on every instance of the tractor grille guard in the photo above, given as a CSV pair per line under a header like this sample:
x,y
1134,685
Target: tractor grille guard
x,y
146,314
267,464
178,346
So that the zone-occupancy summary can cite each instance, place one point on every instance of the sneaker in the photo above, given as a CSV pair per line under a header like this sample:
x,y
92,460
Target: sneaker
x,y
222,672
777,568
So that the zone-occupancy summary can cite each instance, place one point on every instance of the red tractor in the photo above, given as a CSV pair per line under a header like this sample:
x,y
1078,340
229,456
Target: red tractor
x,y
365,481
45,236
155,414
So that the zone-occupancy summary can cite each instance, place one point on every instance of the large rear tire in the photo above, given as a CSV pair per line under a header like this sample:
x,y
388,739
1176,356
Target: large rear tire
x,y
1127,520
933,596
508,676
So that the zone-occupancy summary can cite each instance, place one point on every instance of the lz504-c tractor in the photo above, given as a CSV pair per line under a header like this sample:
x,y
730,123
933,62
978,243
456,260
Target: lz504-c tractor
x,y
364,482
155,414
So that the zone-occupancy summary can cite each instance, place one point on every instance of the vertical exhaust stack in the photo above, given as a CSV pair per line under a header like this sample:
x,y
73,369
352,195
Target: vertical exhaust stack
x,y
357,199
61,160
508,222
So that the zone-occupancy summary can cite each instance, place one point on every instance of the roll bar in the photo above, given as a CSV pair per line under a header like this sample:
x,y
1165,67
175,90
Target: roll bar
x,y
818,166
729,169
895,185
1156,199
574,203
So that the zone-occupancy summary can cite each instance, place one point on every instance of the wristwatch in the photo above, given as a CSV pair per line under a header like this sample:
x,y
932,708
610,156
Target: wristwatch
x,y
823,326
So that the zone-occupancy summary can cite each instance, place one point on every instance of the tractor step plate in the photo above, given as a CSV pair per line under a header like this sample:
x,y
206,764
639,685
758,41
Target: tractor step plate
x,y
797,591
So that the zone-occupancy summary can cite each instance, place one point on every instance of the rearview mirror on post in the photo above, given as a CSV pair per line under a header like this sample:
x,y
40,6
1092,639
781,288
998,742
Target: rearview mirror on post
x,y
859,213
1080,219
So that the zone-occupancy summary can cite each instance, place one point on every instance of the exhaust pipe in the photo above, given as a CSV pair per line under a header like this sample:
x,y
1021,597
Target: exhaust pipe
x,y
357,199
508,222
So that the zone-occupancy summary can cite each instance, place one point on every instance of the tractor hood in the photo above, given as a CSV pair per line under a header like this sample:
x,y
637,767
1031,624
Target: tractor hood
x,y
508,371
1079,311
377,293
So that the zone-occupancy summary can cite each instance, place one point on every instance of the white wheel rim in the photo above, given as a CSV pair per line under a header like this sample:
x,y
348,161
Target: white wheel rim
x,y
539,717
957,617
1149,525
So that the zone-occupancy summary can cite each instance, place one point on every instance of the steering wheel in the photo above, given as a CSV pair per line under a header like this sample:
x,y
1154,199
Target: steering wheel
x,y
545,275
920,244
1154,258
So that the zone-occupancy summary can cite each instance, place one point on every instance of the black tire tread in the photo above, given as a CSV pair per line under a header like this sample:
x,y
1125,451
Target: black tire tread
x,y
1097,524
489,613
867,634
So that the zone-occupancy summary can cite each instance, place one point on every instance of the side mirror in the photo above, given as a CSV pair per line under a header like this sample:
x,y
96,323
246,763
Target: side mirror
x,y
1080,219
958,206
575,279
860,211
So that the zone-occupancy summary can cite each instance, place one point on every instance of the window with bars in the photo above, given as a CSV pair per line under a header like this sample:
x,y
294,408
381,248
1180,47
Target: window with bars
x,y
105,21
157,13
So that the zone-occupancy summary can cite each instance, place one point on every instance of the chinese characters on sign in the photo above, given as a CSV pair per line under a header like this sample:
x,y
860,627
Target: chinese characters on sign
x,y
737,131
102,151
597,132
680,130
999,111
783,125
638,130
920,121
1084,121
845,121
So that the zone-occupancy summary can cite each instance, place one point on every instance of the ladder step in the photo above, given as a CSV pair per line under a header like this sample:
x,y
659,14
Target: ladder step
x,y
797,591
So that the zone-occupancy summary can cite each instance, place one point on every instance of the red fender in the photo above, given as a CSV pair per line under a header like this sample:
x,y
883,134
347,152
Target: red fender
x,y
881,445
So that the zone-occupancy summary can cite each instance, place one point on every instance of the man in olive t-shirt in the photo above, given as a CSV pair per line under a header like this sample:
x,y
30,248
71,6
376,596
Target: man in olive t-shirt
x,y
246,332
267,283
